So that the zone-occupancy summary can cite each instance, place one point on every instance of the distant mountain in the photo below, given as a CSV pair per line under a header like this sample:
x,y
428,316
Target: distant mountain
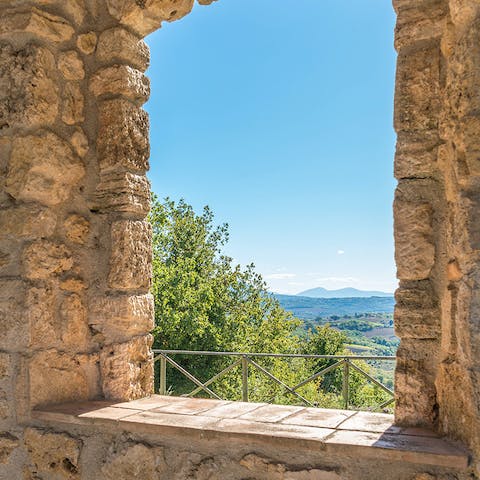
x,y
341,293
309,308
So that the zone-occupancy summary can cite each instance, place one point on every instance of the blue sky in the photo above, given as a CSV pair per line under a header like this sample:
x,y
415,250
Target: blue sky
x,y
278,115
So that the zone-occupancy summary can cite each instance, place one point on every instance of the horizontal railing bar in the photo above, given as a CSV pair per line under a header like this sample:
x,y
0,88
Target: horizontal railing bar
x,y
277,355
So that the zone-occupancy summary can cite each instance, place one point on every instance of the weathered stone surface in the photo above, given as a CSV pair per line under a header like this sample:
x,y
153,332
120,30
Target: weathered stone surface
x,y
77,229
74,10
417,312
127,369
415,379
53,454
57,377
266,468
420,22
131,255
71,65
73,285
414,248
38,22
15,332
135,461
418,100
36,222
123,136
145,17
8,443
79,142
41,316
72,104
416,157
87,42
42,168
120,318
74,331
28,87
120,46
121,80
43,258
123,192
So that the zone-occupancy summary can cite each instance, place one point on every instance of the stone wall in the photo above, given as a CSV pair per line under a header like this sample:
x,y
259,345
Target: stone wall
x,y
437,118
75,308
81,453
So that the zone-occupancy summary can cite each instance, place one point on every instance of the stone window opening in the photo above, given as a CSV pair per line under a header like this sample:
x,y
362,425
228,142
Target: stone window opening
x,y
75,303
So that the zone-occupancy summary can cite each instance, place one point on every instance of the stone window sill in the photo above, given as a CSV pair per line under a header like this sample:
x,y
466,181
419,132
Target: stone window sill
x,y
359,434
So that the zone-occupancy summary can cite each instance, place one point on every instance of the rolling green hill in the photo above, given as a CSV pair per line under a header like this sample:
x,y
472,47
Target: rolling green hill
x,y
308,308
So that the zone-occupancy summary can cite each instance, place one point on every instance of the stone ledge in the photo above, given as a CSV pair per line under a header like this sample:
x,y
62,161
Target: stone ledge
x,y
339,432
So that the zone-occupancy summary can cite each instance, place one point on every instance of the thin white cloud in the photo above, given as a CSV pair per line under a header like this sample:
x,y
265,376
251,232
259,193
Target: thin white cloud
x,y
280,276
340,252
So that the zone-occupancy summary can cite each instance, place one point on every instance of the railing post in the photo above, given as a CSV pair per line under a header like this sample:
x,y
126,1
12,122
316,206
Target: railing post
x,y
345,389
244,379
163,375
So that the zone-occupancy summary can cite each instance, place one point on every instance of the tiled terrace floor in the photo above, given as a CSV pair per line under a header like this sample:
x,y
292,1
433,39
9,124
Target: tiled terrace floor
x,y
356,433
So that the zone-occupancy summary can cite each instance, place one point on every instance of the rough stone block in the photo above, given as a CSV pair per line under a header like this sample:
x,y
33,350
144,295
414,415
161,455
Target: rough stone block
x,y
121,80
14,328
418,92
71,65
41,317
120,46
57,377
74,332
79,142
120,318
42,259
8,443
77,229
414,248
72,104
145,17
127,369
419,21
42,168
87,42
27,221
38,22
131,255
53,455
421,323
135,461
416,157
122,192
29,87
415,392
123,136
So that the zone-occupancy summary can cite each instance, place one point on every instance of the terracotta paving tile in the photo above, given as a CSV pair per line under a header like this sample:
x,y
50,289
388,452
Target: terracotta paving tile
x,y
271,413
232,409
424,450
148,403
370,422
318,417
109,413
190,406
298,432
153,421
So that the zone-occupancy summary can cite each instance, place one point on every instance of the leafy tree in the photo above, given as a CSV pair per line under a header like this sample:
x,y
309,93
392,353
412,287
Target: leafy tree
x,y
203,301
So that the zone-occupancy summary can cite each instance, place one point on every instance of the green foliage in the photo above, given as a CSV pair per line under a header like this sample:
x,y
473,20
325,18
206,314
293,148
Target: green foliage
x,y
203,301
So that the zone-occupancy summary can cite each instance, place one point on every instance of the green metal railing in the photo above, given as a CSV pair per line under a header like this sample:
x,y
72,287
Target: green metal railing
x,y
245,361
